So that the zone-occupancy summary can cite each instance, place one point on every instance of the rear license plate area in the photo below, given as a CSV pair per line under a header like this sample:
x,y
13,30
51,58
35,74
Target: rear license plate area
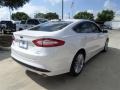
x,y
23,44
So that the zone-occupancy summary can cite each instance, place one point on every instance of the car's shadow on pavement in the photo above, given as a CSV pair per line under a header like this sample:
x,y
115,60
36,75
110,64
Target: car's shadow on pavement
x,y
4,54
102,72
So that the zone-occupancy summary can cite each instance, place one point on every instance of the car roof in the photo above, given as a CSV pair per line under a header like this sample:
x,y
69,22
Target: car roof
x,y
6,21
76,20
70,20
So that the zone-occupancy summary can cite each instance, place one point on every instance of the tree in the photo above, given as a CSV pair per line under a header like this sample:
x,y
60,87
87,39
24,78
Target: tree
x,y
20,16
51,15
105,15
39,15
13,4
84,15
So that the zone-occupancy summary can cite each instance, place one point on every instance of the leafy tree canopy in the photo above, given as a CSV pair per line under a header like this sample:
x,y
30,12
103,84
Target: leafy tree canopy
x,y
84,15
51,15
20,16
13,4
105,15
39,15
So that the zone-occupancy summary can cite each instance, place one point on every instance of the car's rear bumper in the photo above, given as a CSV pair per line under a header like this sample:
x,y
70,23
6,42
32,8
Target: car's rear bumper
x,y
49,64
31,67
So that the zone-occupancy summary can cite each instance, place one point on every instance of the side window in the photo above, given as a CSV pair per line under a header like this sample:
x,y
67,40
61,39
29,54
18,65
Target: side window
x,y
35,22
86,27
94,28
83,28
77,28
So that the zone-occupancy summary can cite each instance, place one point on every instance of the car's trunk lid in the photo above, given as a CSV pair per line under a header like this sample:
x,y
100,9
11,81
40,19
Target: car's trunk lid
x,y
24,39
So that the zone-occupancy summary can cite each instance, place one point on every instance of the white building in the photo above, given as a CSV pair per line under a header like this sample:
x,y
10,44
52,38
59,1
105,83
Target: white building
x,y
115,23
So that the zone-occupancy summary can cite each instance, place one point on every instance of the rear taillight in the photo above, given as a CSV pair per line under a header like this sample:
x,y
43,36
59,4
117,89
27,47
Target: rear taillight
x,y
48,42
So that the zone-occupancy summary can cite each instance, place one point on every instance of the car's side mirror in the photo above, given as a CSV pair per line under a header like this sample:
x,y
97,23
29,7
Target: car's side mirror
x,y
105,31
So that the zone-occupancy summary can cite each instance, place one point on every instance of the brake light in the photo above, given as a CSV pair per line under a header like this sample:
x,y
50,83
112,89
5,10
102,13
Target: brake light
x,y
48,42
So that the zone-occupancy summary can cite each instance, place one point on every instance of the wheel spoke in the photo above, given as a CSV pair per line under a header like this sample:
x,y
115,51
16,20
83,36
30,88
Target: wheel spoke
x,y
79,63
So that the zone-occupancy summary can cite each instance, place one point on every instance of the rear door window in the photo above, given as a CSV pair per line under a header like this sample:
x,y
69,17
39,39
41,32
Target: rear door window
x,y
86,27
82,28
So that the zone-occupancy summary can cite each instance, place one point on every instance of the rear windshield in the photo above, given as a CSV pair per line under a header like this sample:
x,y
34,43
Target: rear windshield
x,y
42,20
50,26
33,22
23,22
5,22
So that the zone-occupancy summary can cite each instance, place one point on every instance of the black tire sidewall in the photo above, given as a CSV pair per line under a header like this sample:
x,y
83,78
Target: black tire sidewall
x,y
106,43
72,70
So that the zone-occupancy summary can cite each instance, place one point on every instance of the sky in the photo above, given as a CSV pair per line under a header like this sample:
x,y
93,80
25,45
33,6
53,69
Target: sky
x,y
44,6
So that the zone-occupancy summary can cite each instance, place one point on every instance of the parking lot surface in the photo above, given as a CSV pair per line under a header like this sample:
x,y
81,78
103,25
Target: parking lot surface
x,y
102,72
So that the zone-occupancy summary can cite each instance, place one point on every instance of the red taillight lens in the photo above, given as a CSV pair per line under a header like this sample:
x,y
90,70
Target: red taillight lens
x,y
48,42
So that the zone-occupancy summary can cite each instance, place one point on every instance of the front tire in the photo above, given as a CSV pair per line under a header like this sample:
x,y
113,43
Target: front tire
x,y
77,64
106,46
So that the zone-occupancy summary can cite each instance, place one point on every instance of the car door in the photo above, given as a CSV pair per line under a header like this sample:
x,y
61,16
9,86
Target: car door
x,y
101,36
92,39
86,29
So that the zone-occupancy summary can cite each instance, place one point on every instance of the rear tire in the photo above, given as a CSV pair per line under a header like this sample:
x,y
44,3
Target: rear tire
x,y
77,64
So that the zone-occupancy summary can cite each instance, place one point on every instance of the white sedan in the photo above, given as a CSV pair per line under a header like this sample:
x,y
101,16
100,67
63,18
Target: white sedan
x,y
58,47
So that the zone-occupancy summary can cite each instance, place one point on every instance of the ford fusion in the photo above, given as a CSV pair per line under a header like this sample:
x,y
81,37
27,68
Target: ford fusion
x,y
58,47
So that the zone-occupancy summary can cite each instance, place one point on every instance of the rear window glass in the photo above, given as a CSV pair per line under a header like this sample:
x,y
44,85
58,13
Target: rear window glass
x,y
6,22
33,22
23,22
51,26
42,20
